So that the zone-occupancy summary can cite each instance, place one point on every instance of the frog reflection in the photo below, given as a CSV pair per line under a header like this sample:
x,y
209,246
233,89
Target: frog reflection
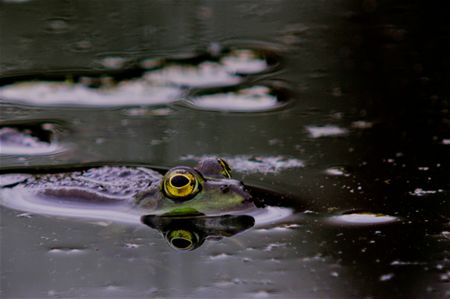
x,y
190,232
187,204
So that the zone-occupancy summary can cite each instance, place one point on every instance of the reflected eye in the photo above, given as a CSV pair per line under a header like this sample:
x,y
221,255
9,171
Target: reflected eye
x,y
226,169
182,239
181,184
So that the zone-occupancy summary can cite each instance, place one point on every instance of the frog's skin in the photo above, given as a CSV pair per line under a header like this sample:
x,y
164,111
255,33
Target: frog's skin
x,y
206,189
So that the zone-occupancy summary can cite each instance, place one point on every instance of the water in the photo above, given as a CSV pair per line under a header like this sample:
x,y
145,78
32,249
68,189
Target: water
x,y
361,143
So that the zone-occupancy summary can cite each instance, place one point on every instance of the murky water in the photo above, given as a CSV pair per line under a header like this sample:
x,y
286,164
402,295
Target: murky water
x,y
340,105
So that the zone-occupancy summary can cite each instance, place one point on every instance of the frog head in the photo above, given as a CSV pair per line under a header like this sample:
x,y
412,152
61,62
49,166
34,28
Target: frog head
x,y
206,189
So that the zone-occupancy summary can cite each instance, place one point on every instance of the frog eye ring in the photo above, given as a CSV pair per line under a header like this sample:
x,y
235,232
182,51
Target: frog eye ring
x,y
181,184
183,239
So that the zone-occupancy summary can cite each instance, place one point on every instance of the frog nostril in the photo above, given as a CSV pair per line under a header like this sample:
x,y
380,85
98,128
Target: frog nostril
x,y
225,188
179,181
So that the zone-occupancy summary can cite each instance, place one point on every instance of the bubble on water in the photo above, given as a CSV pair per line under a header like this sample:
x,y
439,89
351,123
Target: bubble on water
x,y
386,277
67,250
148,112
334,274
254,164
406,263
52,293
24,215
83,46
274,246
252,99
362,218
205,74
152,63
132,245
420,192
113,62
220,256
325,131
336,171
57,26
362,124
446,234
277,229
125,93
261,294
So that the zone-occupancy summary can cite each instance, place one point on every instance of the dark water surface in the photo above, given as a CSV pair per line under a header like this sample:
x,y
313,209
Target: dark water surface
x,y
362,131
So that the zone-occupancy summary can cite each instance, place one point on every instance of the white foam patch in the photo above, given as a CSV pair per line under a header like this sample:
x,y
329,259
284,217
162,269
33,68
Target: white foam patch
x,y
21,199
421,192
325,131
14,142
126,93
39,149
247,100
255,164
244,62
362,219
206,74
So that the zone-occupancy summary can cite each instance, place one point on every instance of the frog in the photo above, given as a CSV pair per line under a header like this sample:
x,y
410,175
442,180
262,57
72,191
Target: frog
x,y
207,188
186,204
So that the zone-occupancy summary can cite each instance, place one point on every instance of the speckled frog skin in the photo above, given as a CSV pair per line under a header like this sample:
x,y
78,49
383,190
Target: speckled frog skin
x,y
206,189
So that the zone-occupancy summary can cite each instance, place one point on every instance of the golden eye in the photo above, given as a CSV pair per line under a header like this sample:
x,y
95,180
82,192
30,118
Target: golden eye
x,y
180,184
226,169
182,239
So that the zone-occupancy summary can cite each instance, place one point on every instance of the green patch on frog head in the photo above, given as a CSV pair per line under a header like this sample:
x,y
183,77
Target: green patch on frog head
x,y
207,189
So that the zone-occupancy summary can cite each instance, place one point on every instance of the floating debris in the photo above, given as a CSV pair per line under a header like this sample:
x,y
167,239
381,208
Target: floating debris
x,y
325,131
336,171
205,74
420,192
386,277
362,124
362,218
22,142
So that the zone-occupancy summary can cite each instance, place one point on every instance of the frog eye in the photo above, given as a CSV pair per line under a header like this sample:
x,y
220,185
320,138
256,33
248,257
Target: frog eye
x,y
182,239
226,169
181,184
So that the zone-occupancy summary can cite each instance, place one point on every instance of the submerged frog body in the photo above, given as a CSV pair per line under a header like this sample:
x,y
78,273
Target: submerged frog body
x,y
205,189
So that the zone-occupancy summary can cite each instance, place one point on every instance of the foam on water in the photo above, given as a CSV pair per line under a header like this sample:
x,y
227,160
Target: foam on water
x,y
362,219
126,93
15,142
253,99
326,131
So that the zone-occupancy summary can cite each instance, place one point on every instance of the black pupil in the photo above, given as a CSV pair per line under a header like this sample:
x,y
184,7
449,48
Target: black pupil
x,y
179,181
181,243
